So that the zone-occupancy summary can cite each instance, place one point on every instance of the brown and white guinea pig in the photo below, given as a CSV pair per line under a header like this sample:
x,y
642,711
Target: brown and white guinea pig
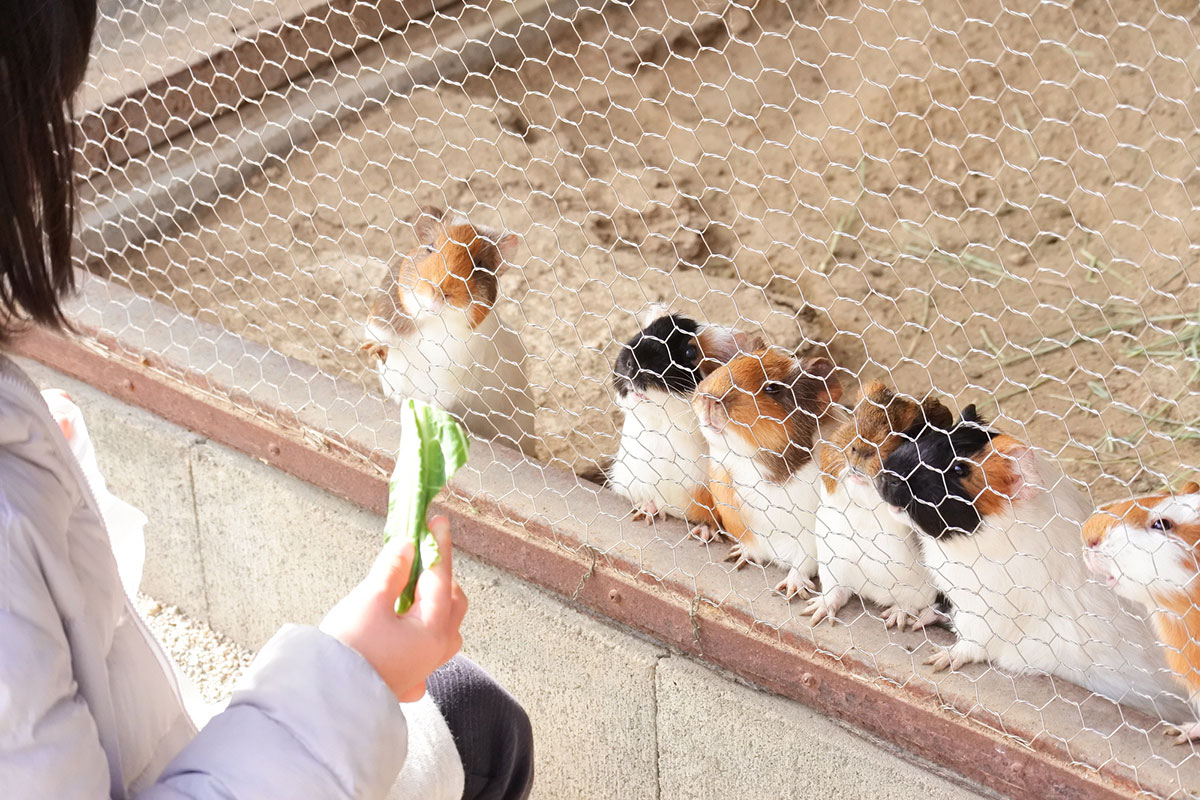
x,y
662,461
1148,550
1000,531
861,547
762,416
437,337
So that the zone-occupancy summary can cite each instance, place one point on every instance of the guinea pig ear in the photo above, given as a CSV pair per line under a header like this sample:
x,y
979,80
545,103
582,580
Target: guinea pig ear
x,y
652,312
823,369
720,344
1191,487
507,245
428,224
749,342
497,261
1024,479
936,414
875,389
971,414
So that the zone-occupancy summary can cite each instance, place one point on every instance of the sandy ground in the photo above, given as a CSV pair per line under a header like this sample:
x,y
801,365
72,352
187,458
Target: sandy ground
x,y
997,204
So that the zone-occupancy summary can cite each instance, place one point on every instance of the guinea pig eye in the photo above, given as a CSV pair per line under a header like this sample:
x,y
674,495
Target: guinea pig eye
x,y
1162,524
691,353
773,387
961,468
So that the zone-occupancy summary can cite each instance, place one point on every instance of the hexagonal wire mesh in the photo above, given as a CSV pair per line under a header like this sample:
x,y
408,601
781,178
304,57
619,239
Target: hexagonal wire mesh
x,y
990,203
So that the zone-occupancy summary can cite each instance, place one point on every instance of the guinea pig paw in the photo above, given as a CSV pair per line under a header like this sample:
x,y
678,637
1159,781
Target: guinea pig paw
x,y
941,660
958,655
818,611
827,605
896,617
739,556
373,350
928,616
796,585
704,532
1184,733
648,511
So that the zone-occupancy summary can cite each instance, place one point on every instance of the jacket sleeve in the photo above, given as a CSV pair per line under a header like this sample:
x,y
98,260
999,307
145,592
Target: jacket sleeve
x,y
310,719
43,722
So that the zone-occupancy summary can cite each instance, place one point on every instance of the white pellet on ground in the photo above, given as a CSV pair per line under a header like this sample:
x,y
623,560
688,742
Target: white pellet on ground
x,y
211,660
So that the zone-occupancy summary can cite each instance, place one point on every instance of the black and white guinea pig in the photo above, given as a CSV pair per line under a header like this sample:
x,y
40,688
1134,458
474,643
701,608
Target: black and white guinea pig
x,y
661,464
1000,535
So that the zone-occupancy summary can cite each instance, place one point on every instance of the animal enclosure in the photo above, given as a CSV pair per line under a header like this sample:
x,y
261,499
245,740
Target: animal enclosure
x,y
996,203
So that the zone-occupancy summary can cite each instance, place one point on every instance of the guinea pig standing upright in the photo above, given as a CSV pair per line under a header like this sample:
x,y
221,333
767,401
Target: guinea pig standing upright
x,y
1148,550
762,415
662,461
861,547
438,338
1000,535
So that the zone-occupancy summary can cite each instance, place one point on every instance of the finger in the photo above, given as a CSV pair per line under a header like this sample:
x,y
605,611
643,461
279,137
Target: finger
x,y
458,607
433,598
439,526
392,566
435,583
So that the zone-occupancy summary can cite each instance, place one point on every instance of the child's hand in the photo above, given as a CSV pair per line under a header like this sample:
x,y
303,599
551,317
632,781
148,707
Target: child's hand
x,y
404,650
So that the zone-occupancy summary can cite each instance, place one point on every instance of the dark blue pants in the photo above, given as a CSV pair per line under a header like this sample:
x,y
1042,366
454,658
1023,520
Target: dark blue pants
x,y
490,729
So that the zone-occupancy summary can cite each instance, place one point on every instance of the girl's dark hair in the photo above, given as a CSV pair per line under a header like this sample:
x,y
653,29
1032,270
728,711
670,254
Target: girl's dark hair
x,y
44,48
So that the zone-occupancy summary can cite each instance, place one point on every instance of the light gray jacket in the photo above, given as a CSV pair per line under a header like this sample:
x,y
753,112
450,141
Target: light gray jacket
x,y
88,702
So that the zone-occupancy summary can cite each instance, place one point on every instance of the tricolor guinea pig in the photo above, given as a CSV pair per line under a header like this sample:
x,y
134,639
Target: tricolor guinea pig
x,y
861,547
1000,531
1148,550
436,334
762,415
662,461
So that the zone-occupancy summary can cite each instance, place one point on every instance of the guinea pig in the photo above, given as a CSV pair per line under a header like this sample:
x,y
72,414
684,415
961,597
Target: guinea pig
x,y
762,416
437,337
662,461
861,548
1148,550
1000,531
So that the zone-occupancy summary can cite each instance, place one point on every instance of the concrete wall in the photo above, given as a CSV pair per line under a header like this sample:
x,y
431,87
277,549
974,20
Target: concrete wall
x,y
247,548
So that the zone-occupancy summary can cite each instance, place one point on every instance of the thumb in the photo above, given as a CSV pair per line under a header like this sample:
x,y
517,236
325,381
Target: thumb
x,y
392,566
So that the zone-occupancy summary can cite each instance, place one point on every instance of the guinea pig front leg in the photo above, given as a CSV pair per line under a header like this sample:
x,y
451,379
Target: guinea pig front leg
x,y
648,511
746,546
957,655
1187,733
701,515
900,618
798,584
740,552
828,603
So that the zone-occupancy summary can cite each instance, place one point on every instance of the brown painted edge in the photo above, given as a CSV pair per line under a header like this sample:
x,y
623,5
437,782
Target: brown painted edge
x,y
617,591
260,62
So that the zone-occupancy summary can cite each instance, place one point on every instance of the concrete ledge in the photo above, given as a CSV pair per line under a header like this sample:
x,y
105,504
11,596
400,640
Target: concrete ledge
x,y
719,739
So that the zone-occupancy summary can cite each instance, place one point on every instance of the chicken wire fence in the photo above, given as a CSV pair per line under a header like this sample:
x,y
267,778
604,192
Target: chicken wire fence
x,y
988,204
